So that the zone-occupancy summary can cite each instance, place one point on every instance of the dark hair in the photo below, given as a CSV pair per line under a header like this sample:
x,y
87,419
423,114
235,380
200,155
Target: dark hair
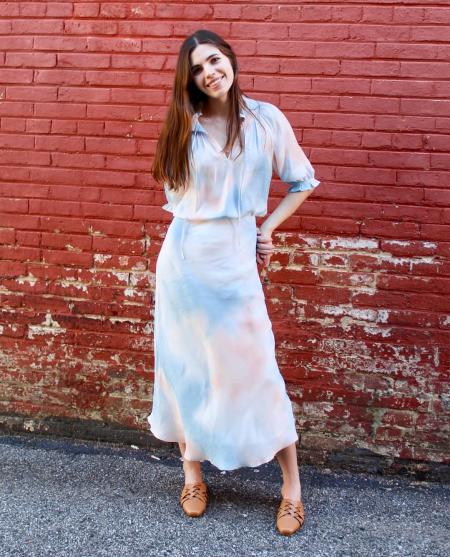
x,y
171,163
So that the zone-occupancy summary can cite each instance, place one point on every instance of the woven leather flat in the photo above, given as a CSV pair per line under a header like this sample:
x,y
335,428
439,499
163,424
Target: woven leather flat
x,y
290,516
194,498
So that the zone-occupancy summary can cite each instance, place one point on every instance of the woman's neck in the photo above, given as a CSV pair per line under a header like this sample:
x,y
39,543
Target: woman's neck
x,y
216,108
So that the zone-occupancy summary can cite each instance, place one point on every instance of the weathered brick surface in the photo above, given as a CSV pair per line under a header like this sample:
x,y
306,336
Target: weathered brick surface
x,y
358,290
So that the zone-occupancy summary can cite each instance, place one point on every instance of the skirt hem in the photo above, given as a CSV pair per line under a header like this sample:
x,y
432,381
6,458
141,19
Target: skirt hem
x,y
270,454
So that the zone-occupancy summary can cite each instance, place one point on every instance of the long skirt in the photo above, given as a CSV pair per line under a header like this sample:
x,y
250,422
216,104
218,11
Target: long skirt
x,y
217,384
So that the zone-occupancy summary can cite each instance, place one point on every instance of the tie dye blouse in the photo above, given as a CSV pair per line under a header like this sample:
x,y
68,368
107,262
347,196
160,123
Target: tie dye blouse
x,y
238,186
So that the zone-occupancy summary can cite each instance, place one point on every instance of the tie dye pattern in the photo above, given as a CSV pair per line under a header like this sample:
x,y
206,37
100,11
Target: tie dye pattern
x,y
217,384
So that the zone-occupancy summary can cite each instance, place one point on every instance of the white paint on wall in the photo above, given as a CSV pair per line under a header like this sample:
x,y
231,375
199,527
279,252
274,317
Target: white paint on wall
x,y
351,243
75,284
30,279
48,327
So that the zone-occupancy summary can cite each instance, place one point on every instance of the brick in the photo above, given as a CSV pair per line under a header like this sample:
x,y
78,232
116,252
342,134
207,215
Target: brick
x,y
428,33
379,33
13,124
14,205
394,87
369,68
16,109
37,26
227,12
26,221
437,70
27,238
73,77
12,269
53,207
377,14
301,67
90,27
68,127
157,29
141,62
7,236
19,253
197,11
38,94
69,258
9,9
66,241
59,9
83,61
435,142
407,50
390,229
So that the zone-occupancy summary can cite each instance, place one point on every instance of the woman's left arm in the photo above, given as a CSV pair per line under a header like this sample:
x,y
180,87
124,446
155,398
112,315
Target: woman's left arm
x,y
293,167
287,207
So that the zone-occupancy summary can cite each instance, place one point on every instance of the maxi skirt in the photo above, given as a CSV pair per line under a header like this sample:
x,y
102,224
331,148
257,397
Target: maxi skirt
x,y
217,384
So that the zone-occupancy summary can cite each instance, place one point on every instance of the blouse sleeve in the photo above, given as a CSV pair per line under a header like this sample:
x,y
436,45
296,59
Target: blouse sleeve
x,y
289,161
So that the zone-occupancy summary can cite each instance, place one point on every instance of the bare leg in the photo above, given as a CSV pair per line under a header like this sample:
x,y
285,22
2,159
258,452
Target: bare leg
x,y
192,468
287,459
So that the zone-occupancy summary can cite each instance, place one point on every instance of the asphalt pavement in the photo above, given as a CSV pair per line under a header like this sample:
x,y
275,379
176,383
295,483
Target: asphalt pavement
x,y
67,498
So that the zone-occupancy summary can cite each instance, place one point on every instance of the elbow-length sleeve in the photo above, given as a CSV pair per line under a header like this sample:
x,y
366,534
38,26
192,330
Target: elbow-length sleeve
x,y
289,161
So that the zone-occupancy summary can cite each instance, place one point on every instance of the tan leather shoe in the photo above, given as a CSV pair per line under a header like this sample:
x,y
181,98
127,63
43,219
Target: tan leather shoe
x,y
194,498
290,516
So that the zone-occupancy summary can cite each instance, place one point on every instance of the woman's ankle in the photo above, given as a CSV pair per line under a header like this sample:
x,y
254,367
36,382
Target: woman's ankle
x,y
291,490
192,472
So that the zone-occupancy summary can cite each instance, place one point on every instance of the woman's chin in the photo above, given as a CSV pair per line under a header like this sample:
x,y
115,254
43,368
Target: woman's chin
x,y
220,93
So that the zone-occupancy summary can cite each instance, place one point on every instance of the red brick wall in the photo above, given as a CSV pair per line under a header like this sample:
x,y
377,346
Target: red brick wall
x,y
359,288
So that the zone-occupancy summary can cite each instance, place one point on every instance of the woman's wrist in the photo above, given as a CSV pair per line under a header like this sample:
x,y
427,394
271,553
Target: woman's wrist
x,y
265,228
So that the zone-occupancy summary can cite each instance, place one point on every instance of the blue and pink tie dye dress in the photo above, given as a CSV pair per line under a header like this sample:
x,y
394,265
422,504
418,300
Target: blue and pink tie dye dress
x,y
217,384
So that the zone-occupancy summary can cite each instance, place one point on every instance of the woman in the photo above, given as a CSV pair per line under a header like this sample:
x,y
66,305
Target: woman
x,y
218,391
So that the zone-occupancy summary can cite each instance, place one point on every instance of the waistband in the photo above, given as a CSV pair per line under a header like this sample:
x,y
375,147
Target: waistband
x,y
234,221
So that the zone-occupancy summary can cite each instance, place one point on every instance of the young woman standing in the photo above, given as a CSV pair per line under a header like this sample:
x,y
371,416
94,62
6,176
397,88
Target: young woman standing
x,y
218,390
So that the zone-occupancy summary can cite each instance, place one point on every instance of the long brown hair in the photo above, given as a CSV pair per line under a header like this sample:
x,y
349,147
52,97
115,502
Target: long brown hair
x,y
171,163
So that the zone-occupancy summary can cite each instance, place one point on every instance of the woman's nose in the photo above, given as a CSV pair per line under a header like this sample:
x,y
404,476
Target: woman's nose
x,y
209,71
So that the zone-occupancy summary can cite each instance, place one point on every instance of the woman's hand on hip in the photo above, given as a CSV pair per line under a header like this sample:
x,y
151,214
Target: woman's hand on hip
x,y
264,247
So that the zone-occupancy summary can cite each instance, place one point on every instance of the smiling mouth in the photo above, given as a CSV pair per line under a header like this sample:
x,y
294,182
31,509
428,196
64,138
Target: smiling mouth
x,y
215,82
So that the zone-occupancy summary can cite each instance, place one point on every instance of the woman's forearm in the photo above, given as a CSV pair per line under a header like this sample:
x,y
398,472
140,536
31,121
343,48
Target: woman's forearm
x,y
284,210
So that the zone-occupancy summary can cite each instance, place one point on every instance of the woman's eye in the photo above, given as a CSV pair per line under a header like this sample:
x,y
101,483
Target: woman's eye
x,y
196,70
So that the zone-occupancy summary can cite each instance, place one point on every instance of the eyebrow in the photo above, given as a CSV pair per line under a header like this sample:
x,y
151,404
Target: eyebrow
x,y
210,56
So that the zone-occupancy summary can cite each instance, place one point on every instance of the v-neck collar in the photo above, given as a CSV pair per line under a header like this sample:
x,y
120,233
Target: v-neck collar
x,y
198,128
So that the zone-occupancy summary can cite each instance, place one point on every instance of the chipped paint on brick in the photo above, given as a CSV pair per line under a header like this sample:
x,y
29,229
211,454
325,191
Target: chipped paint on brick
x,y
69,247
351,243
29,279
374,330
94,232
101,257
48,327
445,320
436,356
122,276
124,320
75,284
365,314
362,279
410,261
139,267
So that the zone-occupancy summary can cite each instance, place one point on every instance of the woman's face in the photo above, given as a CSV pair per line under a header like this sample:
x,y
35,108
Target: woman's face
x,y
211,70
